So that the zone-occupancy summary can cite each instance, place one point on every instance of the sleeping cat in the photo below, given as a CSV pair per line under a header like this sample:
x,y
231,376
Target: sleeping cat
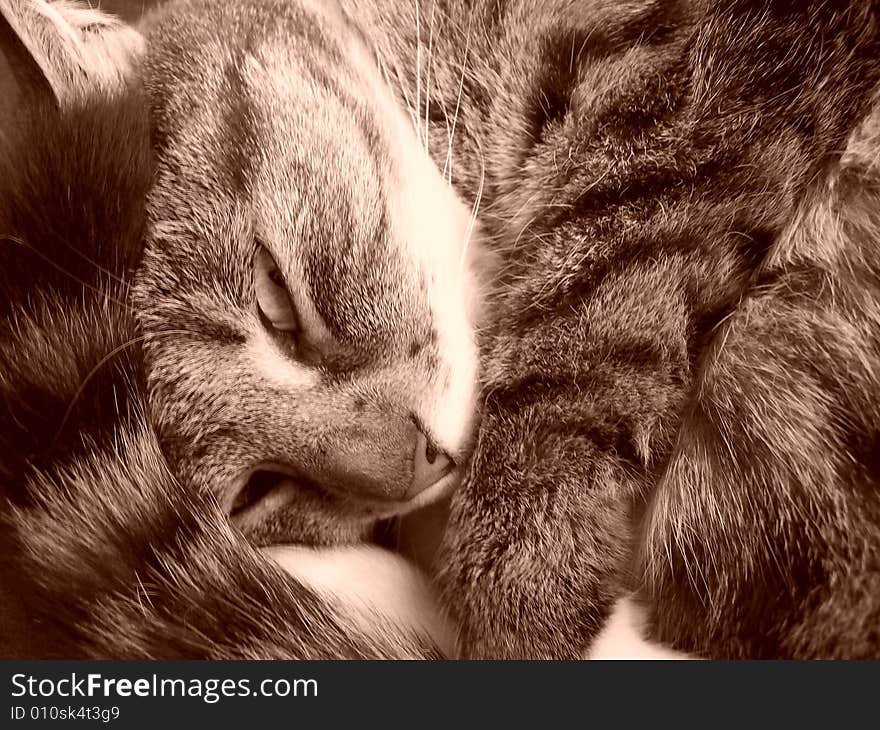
x,y
161,361
680,365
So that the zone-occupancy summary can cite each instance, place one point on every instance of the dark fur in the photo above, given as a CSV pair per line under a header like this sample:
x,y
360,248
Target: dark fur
x,y
103,553
647,166
684,357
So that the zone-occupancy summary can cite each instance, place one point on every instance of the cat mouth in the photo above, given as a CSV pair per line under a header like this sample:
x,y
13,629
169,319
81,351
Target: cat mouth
x,y
270,488
260,490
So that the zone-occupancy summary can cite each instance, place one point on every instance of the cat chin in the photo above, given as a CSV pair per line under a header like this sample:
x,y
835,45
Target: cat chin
x,y
373,588
437,492
623,637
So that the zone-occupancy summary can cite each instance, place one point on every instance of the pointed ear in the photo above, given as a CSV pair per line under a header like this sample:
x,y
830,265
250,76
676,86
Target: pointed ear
x,y
60,51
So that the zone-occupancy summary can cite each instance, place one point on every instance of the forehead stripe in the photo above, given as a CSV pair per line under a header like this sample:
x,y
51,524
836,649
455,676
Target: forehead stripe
x,y
239,115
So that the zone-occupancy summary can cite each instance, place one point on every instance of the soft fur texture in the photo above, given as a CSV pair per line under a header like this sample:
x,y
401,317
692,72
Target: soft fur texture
x,y
272,127
686,316
105,553
680,368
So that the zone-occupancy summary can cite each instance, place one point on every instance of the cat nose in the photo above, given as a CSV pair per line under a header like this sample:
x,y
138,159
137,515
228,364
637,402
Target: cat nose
x,y
430,465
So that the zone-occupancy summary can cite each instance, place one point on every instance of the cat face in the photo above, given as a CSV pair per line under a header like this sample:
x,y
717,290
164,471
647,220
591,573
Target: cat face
x,y
306,291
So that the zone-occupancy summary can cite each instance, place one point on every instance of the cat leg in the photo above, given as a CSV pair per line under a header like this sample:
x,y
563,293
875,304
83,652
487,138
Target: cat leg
x,y
539,536
614,288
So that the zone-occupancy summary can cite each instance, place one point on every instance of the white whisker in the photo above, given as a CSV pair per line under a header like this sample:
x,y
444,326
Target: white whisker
x,y
476,207
428,82
418,73
467,47
86,285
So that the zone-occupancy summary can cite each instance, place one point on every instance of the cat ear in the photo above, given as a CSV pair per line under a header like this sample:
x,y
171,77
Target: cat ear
x,y
60,51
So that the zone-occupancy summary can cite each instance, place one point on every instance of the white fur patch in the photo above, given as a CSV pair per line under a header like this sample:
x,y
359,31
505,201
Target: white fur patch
x,y
623,637
374,583
434,226
370,582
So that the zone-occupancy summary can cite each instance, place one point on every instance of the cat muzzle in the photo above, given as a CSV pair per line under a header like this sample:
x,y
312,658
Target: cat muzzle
x,y
430,465
394,470
377,475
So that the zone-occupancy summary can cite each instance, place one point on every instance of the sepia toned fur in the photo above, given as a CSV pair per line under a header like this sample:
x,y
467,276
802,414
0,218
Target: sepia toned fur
x,y
679,355
111,547
686,316
272,125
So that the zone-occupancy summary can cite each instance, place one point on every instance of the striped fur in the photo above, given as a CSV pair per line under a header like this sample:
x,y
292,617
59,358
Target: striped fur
x,y
681,373
680,363
105,552
272,126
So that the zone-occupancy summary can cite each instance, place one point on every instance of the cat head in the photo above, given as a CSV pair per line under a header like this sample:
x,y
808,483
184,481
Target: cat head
x,y
306,291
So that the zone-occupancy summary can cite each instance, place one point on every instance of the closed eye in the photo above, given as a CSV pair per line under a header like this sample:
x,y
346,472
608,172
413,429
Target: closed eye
x,y
273,298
